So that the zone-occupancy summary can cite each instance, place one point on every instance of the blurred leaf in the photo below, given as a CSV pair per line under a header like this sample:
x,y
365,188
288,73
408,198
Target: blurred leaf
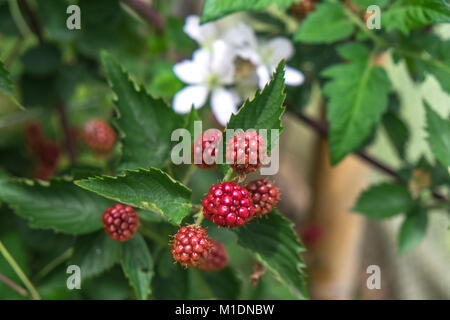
x,y
111,285
151,189
277,247
95,253
6,85
407,15
383,201
215,9
38,91
145,123
171,281
7,25
364,4
137,264
358,96
41,60
326,24
224,283
398,132
438,130
413,229
52,15
57,205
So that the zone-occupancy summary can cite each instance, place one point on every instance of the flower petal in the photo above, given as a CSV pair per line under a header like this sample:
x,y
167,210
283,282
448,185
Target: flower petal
x,y
191,95
281,48
293,77
201,33
222,61
223,103
193,71
263,75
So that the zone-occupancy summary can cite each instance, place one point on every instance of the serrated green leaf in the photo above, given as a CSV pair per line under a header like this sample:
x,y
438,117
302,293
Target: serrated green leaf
x,y
358,97
438,136
145,123
137,264
407,15
57,205
151,189
277,247
95,253
215,9
413,229
326,24
398,132
266,108
383,201
6,85
224,283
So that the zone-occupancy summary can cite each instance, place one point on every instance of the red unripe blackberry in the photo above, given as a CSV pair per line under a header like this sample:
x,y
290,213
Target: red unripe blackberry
x,y
264,195
49,153
99,136
228,205
205,147
217,258
190,245
120,222
246,151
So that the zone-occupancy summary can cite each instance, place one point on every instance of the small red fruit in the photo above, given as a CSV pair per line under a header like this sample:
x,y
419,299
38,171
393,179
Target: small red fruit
x,y
217,258
228,205
246,151
190,245
99,136
264,195
120,222
204,149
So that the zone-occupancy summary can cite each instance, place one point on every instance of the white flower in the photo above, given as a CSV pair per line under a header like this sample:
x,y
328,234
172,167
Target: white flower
x,y
204,34
209,71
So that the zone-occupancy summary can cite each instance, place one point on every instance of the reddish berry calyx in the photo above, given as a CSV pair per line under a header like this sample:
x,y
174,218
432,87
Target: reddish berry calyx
x,y
264,195
120,222
190,244
228,205
246,152
99,136
204,149
217,258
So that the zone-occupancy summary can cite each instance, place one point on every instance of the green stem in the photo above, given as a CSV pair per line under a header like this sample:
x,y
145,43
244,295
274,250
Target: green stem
x,y
33,292
199,219
18,18
189,173
359,23
53,264
229,175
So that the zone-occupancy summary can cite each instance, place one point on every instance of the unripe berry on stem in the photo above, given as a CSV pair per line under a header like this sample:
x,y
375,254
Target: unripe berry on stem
x,y
228,205
120,222
99,136
204,149
264,194
190,244
246,152
217,258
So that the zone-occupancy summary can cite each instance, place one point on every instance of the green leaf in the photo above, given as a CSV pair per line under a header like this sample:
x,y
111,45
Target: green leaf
x,y
95,253
57,205
137,264
145,123
413,229
224,283
277,247
407,15
41,60
398,132
438,130
326,24
383,201
6,85
266,108
215,9
151,189
364,4
358,96
189,124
